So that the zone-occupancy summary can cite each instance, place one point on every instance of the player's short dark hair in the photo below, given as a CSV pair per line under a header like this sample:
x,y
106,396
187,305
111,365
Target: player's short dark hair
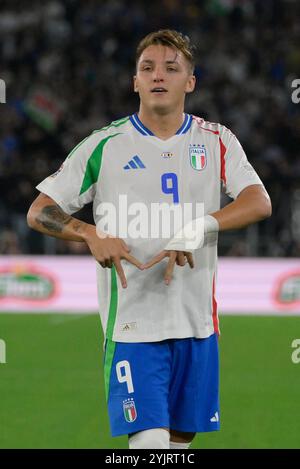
x,y
170,38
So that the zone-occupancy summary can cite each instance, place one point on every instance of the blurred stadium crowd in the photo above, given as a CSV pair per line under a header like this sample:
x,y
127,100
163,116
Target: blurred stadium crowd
x,y
68,69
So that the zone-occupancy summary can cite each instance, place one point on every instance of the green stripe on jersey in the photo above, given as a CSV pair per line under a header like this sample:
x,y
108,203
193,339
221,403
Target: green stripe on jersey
x,y
113,304
116,123
110,345
93,165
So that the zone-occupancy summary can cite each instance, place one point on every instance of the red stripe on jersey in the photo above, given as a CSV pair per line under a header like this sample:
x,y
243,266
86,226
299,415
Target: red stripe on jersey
x,y
200,121
222,158
215,310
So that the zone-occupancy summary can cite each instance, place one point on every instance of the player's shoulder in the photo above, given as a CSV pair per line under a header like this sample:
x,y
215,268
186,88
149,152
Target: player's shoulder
x,y
98,138
117,127
215,129
105,133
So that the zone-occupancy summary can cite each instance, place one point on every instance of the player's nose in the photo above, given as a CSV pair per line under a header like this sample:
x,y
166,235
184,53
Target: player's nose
x,y
158,75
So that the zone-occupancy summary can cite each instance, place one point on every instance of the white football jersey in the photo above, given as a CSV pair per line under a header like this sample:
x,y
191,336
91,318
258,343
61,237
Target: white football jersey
x,y
126,161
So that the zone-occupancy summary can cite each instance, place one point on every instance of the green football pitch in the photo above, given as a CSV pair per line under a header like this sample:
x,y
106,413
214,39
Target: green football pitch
x,y
52,393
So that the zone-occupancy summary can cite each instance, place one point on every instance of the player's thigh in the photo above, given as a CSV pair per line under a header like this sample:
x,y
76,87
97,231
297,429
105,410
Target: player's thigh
x,y
137,381
194,391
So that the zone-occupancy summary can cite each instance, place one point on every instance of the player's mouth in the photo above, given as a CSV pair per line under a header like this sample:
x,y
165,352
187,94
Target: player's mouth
x,y
159,90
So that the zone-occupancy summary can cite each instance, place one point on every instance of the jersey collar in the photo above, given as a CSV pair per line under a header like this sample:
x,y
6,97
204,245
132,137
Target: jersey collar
x,y
137,123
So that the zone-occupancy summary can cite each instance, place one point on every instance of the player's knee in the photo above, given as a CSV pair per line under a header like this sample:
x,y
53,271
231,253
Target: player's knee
x,y
154,438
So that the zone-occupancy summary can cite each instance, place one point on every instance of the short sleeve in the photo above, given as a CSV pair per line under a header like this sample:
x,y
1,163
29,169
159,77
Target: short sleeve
x,y
236,171
71,187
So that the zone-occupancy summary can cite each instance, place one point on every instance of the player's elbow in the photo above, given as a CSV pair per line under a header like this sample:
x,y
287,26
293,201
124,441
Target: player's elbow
x,y
268,212
31,217
264,207
261,202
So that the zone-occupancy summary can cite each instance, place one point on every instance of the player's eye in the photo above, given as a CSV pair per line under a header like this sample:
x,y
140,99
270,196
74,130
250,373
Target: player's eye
x,y
172,69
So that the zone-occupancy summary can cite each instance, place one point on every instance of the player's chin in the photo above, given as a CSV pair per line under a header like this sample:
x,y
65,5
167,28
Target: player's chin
x,y
161,108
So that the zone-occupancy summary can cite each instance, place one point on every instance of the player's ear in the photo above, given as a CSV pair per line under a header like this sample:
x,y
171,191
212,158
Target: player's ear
x,y
135,88
190,86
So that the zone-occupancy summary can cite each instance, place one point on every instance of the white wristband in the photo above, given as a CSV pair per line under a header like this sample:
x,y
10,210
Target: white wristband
x,y
191,236
211,224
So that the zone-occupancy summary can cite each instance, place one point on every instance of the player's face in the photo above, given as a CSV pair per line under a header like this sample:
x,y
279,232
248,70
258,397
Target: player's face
x,y
163,78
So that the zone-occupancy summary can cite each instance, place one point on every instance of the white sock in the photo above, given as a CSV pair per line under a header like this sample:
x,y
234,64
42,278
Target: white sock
x,y
177,445
154,438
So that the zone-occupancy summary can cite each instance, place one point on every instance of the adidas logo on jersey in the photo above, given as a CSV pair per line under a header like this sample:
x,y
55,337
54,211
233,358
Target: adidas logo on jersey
x,y
135,163
129,326
215,418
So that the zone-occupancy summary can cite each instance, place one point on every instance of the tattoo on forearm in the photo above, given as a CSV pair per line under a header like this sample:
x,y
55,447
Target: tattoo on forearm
x,y
77,225
53,218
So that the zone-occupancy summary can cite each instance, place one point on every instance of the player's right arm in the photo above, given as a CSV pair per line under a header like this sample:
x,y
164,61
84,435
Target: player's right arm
x,y
46,216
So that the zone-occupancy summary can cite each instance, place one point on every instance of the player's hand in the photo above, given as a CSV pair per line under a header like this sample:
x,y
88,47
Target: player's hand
x,y
175,257
109,251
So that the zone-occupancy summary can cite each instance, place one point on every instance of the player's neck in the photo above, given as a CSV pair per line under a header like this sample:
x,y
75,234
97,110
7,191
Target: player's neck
x,y
162,126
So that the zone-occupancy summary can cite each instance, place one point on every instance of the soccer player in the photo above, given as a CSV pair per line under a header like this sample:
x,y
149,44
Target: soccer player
x,y
156,295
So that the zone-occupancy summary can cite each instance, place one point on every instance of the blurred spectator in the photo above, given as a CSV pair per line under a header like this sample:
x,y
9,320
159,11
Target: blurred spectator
x,y
9,243
68,68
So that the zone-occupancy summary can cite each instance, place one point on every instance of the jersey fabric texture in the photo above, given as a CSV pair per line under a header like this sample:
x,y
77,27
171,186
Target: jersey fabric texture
x,y
177,389
192,166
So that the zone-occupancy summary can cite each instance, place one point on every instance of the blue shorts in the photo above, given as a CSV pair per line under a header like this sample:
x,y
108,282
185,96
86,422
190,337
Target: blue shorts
x,y
173,383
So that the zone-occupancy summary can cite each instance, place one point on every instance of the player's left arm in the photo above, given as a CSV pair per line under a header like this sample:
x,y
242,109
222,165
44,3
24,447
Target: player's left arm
x,y
253,204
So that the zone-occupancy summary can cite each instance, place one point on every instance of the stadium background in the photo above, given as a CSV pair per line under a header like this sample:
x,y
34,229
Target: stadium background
x,y
68,69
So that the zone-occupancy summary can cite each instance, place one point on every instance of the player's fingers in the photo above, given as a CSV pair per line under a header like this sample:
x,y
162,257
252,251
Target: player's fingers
x,y
170,267
159,257
105,262
108,263
180,259
133,261
120,271
190,259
